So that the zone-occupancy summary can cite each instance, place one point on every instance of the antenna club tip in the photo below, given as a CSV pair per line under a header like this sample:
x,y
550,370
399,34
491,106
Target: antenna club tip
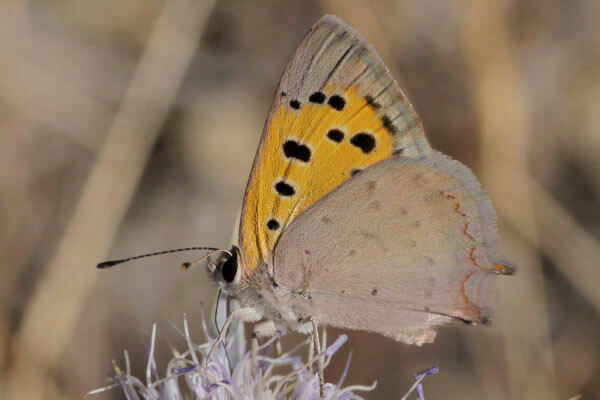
x,y
185,266
106,264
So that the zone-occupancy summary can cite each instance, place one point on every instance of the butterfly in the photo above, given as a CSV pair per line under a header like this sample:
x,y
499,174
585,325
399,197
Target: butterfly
x,y
349,218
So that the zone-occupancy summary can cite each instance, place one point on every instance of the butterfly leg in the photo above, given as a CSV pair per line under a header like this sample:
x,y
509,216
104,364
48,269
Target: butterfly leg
x,y
317,344
311,355
261,330
254,354
245,314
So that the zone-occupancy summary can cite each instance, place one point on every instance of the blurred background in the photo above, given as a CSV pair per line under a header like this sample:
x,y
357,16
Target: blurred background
x,y
129,127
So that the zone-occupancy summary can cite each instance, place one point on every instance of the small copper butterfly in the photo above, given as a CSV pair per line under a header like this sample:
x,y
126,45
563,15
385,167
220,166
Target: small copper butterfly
x,y
350,219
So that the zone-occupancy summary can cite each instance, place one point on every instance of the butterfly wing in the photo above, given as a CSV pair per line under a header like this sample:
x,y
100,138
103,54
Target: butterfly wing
x,y
337,111
404,246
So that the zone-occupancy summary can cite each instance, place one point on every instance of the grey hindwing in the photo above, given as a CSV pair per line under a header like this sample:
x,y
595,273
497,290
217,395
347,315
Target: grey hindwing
x,y
404,246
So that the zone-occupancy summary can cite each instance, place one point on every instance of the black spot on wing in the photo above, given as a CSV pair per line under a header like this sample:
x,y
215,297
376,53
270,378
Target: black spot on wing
x,y
355,171
317,97
372,103
295,104
364,141
283,94
337,102
387,123
273,224
336,135
374,292
284,189
293,149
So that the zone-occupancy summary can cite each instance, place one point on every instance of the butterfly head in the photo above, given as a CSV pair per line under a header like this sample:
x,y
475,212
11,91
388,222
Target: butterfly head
x,y
224,269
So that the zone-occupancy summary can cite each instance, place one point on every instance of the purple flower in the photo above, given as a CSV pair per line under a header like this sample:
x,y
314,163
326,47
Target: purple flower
x,y
232,375
419,376
218,380
426,372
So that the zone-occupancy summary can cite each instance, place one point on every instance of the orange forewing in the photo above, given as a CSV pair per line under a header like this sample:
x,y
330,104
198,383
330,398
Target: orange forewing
x,y
330,164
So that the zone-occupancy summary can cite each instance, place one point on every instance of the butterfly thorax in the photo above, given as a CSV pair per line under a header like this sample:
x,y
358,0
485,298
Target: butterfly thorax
x,y
258,291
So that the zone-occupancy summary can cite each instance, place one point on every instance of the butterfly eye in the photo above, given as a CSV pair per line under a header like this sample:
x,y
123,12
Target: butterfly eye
x,y
229,268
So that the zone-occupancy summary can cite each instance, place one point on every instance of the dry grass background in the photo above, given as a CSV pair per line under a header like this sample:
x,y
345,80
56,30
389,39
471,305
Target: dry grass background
x,y
129,127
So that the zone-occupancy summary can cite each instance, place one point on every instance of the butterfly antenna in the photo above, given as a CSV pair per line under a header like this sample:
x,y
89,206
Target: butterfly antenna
x,y
111,263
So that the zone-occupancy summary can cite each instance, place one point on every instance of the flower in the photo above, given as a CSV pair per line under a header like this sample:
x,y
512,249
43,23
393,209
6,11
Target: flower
x,y
418,386
226,376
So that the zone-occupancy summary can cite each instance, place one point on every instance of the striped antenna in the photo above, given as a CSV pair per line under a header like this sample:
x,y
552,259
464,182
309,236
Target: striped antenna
x,y
108,264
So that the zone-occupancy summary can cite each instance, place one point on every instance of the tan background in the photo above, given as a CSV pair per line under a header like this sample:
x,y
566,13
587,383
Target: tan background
x,y
129,127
